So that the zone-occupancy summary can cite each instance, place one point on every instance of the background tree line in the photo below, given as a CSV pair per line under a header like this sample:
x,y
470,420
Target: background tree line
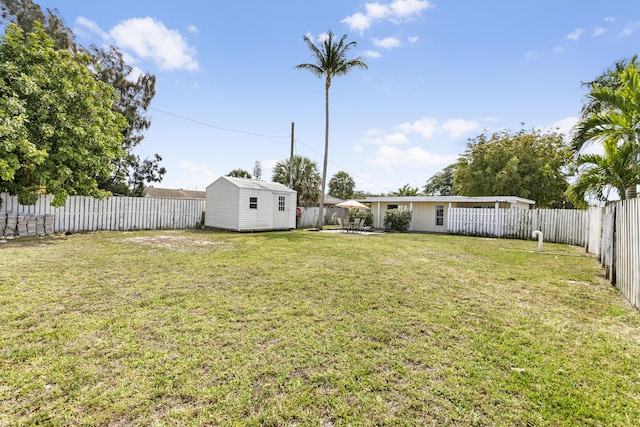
x,y
50,149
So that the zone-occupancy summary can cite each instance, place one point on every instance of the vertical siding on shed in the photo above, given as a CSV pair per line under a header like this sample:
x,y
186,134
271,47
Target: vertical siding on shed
x,y
223,204
255,219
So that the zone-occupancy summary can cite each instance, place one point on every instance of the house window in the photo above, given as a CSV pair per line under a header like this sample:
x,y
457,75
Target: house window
x,y
389,207
253,203
281,204
439,214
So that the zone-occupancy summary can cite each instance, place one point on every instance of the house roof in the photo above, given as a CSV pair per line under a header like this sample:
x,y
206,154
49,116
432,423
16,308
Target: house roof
x,y
170,193
450,199
254,184
330,200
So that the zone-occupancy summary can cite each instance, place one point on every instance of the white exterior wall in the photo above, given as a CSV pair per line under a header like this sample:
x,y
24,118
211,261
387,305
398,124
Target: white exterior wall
x,y
255,219
424,218
222,205
424,213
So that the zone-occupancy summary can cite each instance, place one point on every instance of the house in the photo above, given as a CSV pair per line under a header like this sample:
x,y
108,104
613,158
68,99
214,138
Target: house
x,y
430,213
242,204
330,201
170,193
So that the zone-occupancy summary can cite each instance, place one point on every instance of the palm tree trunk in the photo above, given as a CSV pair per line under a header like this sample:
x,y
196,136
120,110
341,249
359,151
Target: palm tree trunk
x,y
326,153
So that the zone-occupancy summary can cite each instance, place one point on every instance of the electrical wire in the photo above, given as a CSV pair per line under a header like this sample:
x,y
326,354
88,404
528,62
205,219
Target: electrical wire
x,y
218,127
264,136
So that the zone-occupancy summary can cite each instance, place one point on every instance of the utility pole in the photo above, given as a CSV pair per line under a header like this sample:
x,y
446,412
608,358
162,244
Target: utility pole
x,y
291,159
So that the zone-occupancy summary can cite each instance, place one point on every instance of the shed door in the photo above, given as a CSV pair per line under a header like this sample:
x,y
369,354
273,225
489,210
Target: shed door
x,y
281,212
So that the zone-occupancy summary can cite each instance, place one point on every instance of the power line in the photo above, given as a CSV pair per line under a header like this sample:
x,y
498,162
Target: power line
x,y
217,127
263,136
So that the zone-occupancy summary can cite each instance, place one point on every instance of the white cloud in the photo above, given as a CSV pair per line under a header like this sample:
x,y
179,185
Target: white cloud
x,y
564,126
91,26
149,38
358,22
377,137
371,54
377,10
195,175
609,19
629,29
145,38
559,49
396,11
409,8
387,43
413,39
428,127
456,128
322,37
192,29
390,156
575,34
598,31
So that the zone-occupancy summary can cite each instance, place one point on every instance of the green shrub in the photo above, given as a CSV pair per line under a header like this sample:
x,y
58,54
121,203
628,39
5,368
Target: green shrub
x,y
398,219
366,216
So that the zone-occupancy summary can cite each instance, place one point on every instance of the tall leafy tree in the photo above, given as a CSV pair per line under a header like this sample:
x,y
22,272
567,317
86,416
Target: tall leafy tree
x,y
441,184
612,113
306,179
134,97
25,13
342,185
135,92
330,61
58,130
257,170
529,164
239,173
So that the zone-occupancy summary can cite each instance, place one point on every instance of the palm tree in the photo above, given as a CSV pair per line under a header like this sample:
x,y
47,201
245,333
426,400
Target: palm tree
x,y
342,185
306,179
616,168
612,113
331,61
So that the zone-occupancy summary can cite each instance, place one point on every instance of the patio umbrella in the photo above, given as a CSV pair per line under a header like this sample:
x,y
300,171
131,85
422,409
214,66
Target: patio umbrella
x,y
351,204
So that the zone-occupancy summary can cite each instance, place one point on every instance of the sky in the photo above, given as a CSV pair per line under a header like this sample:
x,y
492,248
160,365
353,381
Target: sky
x,y
440,72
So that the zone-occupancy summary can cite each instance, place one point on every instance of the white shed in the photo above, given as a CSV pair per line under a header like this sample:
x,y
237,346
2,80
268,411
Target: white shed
x,y
242,204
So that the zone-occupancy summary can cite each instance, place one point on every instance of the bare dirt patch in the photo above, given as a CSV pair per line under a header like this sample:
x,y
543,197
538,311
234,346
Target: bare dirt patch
x,y
178,243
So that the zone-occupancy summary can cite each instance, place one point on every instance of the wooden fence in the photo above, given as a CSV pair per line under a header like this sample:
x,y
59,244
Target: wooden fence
x,y
82,213
557,225
620,247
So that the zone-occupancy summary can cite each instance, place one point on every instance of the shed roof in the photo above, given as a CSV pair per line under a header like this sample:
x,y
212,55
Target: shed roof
x,y
450,199
255,184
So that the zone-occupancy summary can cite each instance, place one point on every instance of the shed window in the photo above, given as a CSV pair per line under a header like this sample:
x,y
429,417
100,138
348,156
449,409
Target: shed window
x,y
253,203
389,207
439,214
281,204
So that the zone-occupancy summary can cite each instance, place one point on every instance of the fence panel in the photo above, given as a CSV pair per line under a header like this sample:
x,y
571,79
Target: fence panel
x,y
81,213
557,225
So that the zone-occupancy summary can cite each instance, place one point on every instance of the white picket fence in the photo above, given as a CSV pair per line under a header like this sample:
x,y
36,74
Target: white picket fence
x,y
557,225
82,213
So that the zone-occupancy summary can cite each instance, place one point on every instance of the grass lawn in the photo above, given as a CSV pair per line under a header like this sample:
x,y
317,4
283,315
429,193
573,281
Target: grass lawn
x,y
311,329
